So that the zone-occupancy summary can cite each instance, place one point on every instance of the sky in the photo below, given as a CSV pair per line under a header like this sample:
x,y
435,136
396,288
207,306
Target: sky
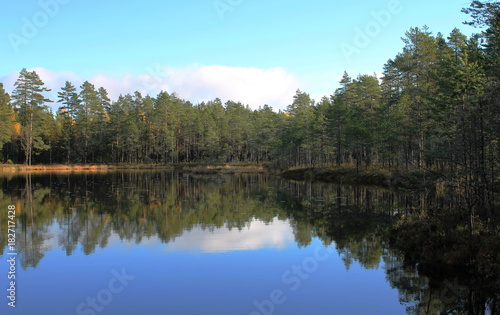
x,y
253,51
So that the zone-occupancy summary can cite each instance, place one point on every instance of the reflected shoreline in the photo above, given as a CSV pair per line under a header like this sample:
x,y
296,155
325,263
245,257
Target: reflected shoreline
x,y
219,213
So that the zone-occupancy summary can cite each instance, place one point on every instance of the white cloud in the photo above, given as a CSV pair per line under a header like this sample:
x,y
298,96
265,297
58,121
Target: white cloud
x,y
256,235
8,81
115,86
250,86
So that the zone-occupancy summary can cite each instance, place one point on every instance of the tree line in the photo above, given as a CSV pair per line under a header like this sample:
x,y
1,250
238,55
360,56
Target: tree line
x,y
436,107
90,128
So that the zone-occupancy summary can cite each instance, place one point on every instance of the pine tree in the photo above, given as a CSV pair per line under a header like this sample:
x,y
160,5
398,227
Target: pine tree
x,y
299,129
68,97
89,120
337,117
33,114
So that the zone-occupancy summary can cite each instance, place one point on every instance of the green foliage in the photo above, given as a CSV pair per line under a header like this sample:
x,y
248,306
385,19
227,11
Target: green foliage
x,y
434,111
32,112
6,117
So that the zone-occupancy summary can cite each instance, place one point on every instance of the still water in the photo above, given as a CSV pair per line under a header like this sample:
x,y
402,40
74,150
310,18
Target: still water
x,y
173,243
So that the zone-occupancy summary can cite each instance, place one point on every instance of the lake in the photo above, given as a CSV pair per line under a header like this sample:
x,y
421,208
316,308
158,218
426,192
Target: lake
x,y
184,243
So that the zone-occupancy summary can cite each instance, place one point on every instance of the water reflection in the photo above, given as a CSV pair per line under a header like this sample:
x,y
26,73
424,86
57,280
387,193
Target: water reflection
x,y
255,235
228,213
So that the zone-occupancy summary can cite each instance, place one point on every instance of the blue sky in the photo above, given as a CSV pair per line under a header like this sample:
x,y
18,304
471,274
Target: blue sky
x,y
254,51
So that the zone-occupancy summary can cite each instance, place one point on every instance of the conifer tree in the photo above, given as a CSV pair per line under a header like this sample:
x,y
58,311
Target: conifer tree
x,y
32,111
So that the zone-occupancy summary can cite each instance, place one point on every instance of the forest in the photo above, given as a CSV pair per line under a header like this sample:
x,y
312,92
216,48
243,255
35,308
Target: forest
x,y
436,109
433,117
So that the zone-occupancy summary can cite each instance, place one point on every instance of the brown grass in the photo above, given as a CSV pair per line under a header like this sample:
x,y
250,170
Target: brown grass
x,y
21,169
70,169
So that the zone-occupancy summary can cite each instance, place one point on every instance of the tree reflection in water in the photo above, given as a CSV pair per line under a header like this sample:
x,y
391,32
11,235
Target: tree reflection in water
x,y
88,209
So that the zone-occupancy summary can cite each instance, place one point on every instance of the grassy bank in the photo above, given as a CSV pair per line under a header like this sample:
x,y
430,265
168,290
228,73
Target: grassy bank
x,y
187,167
227,168
63,168
372,176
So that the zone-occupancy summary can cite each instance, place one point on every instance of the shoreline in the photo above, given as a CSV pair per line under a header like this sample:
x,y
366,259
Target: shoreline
x,y
344,174
103,168
367,176
418,236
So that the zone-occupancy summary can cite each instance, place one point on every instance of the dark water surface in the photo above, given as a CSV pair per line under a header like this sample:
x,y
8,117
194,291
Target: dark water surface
x,y
173,243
